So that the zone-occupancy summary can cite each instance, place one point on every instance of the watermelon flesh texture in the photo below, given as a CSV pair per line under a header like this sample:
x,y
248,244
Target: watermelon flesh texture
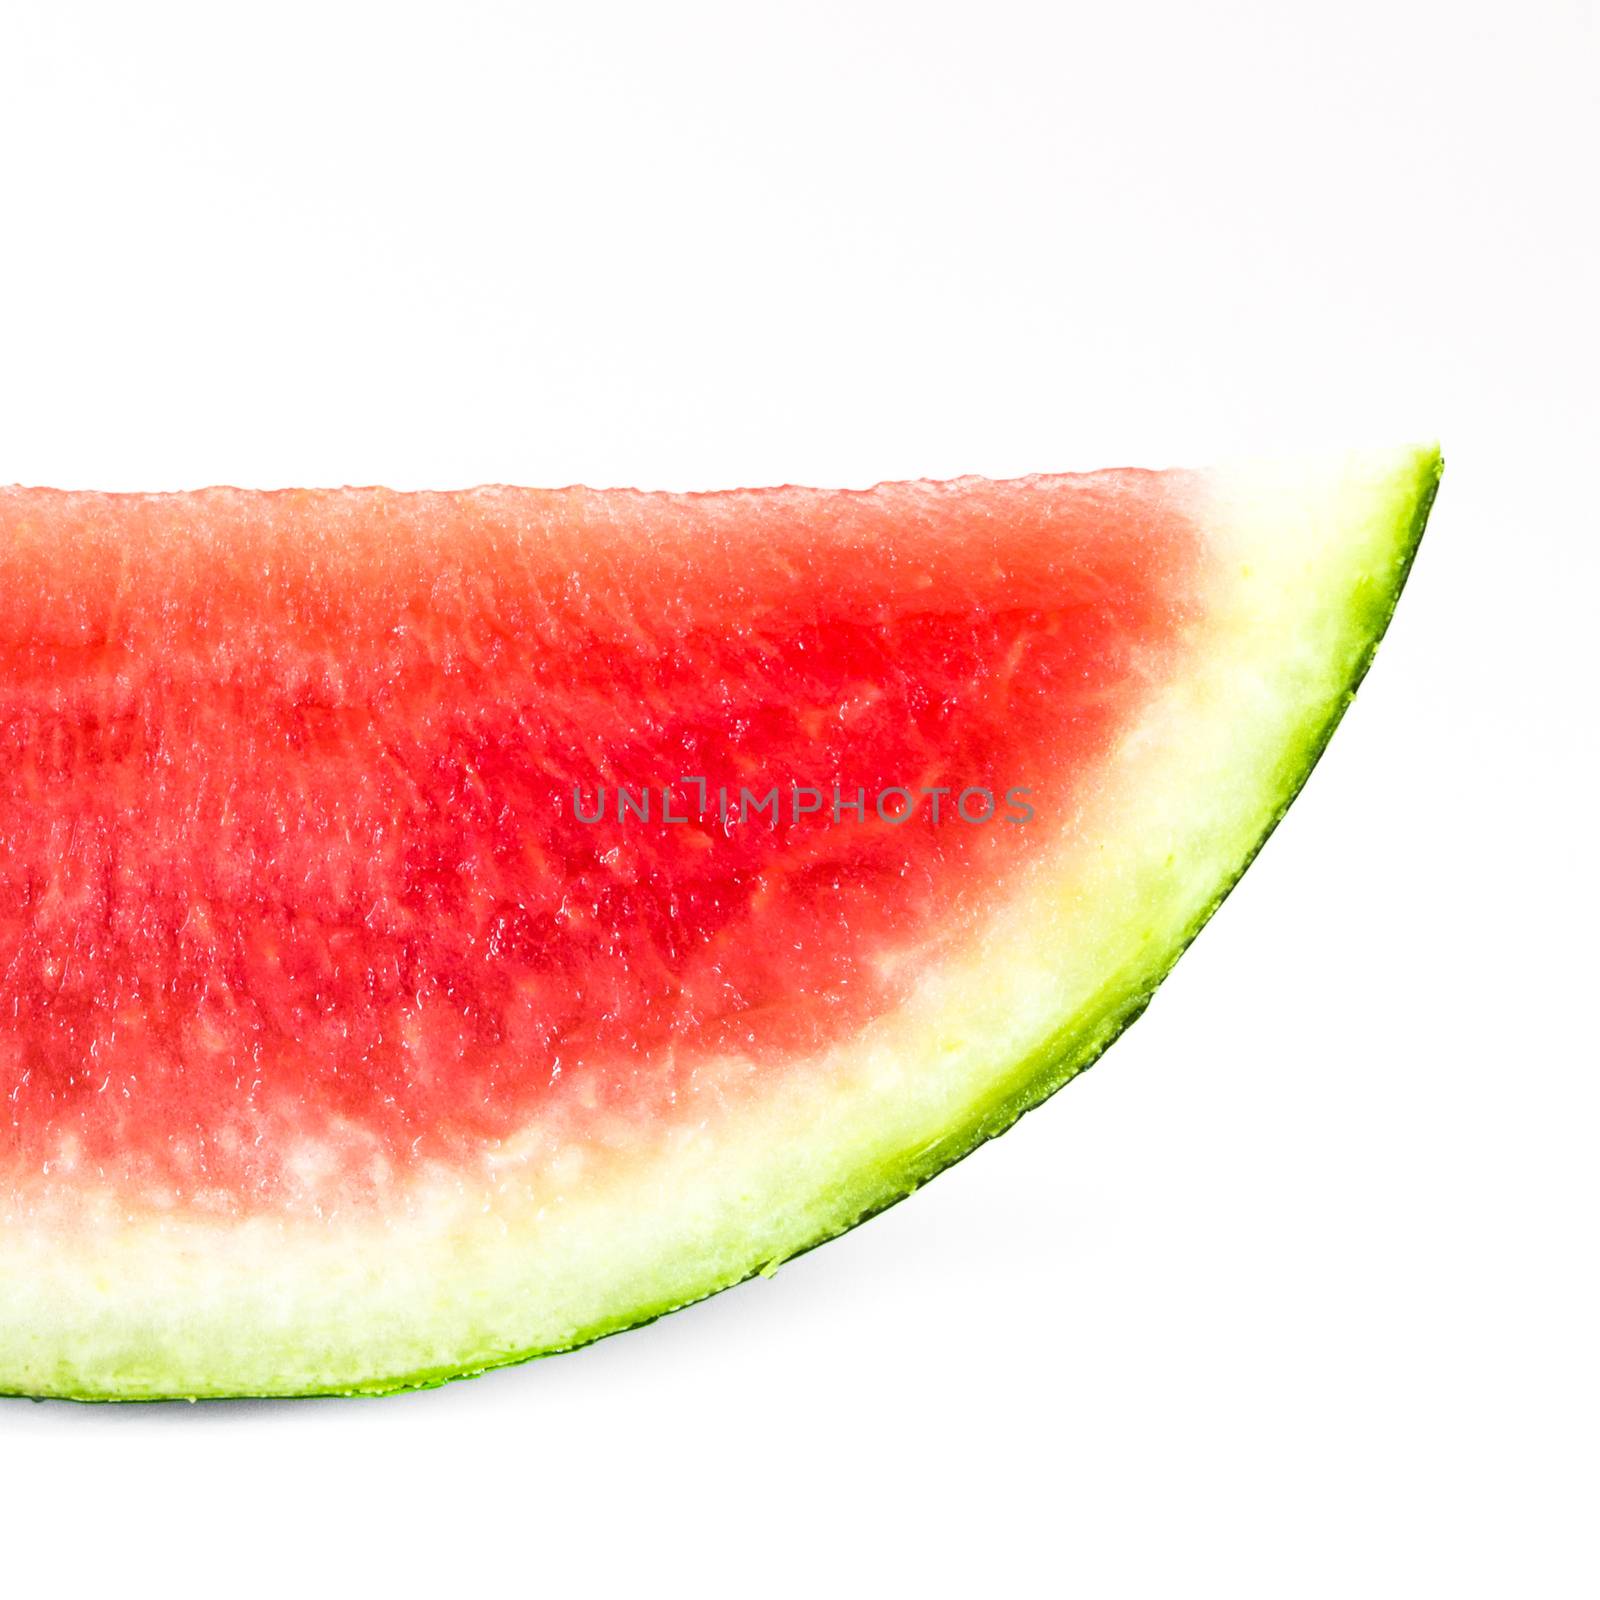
x,y
441,929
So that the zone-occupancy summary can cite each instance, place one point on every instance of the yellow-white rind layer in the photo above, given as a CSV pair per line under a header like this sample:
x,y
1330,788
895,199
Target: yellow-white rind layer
x,y
548,1245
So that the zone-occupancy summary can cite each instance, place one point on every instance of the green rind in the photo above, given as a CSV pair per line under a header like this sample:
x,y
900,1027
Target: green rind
x,y
1071,1050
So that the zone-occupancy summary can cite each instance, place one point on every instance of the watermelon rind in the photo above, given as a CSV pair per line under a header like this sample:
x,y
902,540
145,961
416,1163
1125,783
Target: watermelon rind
x,y
102,1298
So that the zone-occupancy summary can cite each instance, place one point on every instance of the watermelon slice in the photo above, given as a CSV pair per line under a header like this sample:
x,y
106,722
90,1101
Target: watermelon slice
x,y
440,929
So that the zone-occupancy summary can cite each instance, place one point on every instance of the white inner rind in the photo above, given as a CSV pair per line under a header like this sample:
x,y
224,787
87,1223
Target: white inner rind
x,y
548,1244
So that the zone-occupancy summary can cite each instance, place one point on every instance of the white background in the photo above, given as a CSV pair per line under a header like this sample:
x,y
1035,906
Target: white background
x,y
1295,1294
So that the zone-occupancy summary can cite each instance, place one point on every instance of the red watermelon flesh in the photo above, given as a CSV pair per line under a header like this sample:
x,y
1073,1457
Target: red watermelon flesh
x,y
352,840
293,798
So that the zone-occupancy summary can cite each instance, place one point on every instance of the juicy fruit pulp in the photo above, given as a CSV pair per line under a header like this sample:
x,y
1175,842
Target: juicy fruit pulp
x,y
318,965
301,825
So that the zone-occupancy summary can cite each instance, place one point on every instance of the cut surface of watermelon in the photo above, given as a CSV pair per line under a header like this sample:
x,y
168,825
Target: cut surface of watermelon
x,y
439,929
